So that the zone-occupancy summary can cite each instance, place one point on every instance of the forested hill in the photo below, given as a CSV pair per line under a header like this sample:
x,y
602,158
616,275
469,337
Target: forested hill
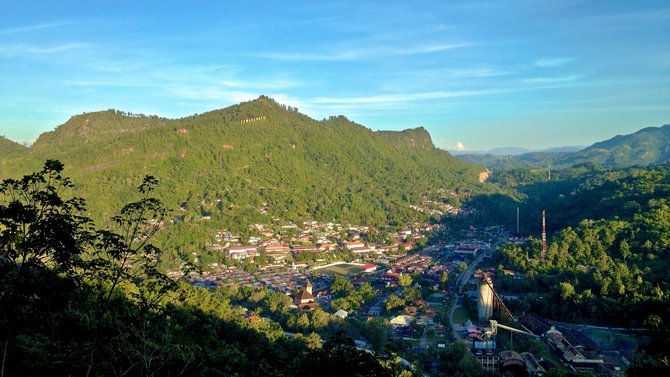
x,y
8,147
251,162
96,127
648,146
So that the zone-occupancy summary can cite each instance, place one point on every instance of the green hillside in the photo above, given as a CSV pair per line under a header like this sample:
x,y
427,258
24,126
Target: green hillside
x,y
9,147
648,146
250,163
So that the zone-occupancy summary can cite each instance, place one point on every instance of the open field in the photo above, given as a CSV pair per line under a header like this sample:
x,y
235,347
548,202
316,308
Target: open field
x,y
460,316
340,269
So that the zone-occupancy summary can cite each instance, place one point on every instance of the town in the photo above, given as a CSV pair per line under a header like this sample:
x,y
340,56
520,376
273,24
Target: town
x,y
428,293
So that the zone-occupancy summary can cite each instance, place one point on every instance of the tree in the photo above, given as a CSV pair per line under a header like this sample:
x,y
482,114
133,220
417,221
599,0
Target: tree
x,y
393,301
341,286
313,341
366,292
39,229
462,266
411,294
339,357
302,322
405,280
444,278
51,252
320,319
567,290
42,236
457,360
124,255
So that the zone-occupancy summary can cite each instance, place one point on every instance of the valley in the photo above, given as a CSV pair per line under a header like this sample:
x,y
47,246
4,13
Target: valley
x,y
374,246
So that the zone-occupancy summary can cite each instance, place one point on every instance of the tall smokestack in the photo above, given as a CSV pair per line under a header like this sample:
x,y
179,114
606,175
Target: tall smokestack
x,y
544,237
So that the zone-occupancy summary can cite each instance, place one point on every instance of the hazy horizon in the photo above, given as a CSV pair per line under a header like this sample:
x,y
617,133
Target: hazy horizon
x,y
477,76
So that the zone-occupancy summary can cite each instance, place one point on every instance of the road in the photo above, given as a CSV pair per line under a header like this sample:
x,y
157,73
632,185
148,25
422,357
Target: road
x,y
461,282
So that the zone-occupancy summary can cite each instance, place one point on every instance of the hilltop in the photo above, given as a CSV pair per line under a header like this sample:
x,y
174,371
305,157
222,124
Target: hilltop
x,y
252,162
9,147
647,146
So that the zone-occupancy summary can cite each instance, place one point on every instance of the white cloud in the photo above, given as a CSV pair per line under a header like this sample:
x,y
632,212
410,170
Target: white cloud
x,y
552,62
351,54
546,80
396,98
478,72
460,146
35,27
26,49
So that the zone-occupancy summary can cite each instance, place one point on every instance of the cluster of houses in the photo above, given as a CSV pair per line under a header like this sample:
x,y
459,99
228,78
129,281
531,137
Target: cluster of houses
x,y
285,281
434,208
411,264
290,242
408,324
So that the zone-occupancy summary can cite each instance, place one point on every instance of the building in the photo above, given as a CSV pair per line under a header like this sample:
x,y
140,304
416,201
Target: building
x,y
533,365
467,249
402,320
369,268
341,314
569,354
242,252
304,299
485,299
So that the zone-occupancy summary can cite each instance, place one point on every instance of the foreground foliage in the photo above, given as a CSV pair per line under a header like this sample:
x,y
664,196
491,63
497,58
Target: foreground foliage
x,y
75,300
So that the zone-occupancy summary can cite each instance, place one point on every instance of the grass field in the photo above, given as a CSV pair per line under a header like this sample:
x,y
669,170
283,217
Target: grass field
x,y
340,269
460,316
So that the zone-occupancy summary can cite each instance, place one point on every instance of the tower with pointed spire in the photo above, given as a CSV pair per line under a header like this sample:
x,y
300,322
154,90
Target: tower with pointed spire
x,y
304,299
308,287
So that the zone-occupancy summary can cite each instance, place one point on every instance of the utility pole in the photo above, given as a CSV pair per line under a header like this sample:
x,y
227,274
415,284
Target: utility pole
x,y
544,238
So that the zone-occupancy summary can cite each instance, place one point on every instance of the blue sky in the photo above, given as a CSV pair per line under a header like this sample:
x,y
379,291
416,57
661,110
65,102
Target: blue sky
x,y
476,74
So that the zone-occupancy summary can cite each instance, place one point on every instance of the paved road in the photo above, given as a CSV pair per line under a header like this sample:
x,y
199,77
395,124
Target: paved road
x,y
464,278
461,282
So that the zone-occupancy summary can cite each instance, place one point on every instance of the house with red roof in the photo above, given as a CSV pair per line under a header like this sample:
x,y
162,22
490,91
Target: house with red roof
x,y
368,268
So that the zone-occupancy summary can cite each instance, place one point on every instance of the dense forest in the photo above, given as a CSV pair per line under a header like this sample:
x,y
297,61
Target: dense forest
x,y
81,300
609,237
607,262
249,163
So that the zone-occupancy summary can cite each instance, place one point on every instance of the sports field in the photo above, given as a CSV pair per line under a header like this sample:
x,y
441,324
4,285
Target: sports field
x,y
340,269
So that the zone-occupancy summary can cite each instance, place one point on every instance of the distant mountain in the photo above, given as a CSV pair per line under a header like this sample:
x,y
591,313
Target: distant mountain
x,y
526,160
503,151
645,147
508,151
568,149
9,147
648,146
252,162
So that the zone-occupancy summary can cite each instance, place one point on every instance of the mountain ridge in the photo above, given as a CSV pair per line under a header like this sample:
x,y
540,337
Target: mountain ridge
x,y
647,146
252,162
10,147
